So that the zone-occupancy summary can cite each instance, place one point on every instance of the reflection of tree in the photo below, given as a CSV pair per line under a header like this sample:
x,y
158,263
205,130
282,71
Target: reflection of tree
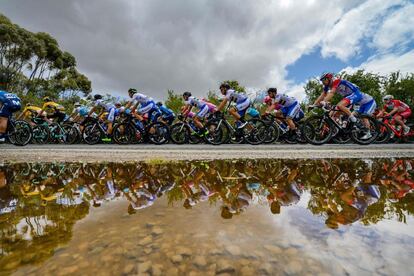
x,y
39,203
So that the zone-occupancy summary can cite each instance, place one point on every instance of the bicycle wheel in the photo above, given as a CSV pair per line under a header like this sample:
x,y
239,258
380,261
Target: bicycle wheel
x,y
409,137
21,134
215,132
123,133
384,133
91,134
272,133
256,131
41,134
70,133
179,133
158,133
358,134
316,130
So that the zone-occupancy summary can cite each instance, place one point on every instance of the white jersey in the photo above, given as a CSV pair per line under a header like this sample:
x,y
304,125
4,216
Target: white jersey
x,y
101,103
232,95
141,98
284,100
195,102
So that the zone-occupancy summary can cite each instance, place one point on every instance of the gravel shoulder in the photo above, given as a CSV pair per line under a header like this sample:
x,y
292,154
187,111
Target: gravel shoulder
x,y
117,153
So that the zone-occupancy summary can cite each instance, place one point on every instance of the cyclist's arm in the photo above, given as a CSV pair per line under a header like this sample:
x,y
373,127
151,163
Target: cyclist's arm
x,y
394,111
222,104
91,111
187,108
320,98
134,107
330,95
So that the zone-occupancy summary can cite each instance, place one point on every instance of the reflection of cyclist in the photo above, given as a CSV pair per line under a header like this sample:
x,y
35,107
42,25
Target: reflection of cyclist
x,y
354,203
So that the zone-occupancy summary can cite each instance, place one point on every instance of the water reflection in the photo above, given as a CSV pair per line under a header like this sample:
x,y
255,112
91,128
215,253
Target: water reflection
x,y
39,203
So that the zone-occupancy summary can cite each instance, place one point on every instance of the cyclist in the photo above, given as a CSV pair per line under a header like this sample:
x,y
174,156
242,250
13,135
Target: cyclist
x,y
289,107
147,105
399,111
168,116
9,103
55,110
204,110
241,100
106,107
30,112
352,95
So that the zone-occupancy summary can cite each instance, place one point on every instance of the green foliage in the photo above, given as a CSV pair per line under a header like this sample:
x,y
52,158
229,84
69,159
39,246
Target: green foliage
x,y
174,102
235,85
37,66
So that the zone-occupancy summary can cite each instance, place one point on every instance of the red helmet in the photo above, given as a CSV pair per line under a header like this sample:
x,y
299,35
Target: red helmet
x,y
267,100
328,76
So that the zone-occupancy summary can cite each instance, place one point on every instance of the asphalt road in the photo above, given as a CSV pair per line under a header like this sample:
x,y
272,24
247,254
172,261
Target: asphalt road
x,y
120,153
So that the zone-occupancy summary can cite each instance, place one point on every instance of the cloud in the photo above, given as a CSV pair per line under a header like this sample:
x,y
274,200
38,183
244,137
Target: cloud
x,y
155,45
397,29
385,64
345,39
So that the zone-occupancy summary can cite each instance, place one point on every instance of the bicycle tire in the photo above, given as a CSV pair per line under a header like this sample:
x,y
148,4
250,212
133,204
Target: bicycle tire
x,y
309,131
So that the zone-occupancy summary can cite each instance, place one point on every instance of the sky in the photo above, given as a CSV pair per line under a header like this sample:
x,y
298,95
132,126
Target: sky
x,y
193,45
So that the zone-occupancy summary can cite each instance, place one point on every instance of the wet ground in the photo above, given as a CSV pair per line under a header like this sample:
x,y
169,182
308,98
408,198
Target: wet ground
x,y
241,217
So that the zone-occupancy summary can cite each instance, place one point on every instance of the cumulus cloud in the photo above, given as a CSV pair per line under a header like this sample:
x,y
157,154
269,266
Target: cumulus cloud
x,y
155,45
344,39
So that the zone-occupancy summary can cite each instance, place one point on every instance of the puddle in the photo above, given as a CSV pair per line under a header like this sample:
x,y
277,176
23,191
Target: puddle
x,y
245,217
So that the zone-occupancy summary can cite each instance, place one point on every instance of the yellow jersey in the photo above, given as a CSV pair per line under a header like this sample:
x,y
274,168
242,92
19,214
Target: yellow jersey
x,y
53,106
31,111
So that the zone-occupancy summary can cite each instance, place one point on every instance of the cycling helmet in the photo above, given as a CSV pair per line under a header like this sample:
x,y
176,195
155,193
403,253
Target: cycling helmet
x,y
77,104
46,99
186,94
159,103
328,76
97,97
132,91
272,89
388,98
267,100
28,104
225,86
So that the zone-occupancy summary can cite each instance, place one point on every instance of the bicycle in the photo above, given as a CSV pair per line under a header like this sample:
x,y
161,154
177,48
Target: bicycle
x,y
18,132
221,131
388,131
319,129
94,131
131,130
185,131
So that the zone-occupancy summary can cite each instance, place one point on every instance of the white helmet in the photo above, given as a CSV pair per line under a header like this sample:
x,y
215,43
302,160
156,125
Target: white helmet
x,y
388,97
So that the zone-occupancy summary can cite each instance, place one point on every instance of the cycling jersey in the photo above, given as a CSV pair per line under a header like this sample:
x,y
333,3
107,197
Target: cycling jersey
x,y
284,100
83,111
166,112
52,106
234,96
9,103
101,103
141,98
349,91
396,103
195,102
30,111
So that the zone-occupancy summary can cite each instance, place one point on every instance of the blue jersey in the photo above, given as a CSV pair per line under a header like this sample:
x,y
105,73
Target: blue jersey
x,y
9,98
166,111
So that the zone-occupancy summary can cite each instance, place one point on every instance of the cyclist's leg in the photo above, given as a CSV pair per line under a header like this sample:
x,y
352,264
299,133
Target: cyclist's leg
x,y
367,109
5,114
200,115
291,112
111,118
240,110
